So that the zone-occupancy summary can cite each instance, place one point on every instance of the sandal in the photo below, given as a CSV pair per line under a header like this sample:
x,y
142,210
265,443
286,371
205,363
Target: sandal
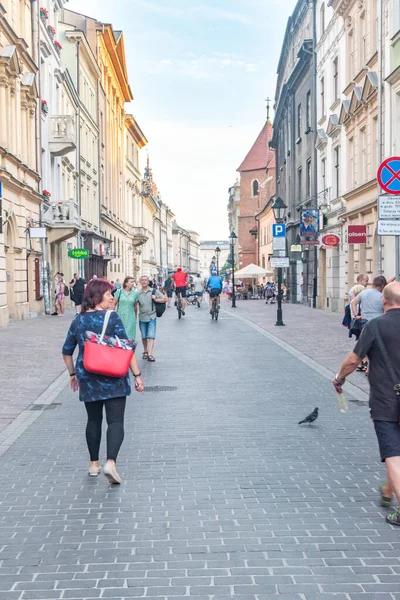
x,y
145,355
151,358
386,501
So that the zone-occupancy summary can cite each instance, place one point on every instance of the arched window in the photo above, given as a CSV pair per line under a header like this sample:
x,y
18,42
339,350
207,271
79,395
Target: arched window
x,y
255,187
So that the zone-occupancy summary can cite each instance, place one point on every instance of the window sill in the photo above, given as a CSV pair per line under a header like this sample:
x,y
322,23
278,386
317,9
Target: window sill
x,y
298,141
395,38
322,120
335,104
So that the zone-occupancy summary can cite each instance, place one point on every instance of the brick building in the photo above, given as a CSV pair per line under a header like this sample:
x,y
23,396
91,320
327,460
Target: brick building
x,y
257,185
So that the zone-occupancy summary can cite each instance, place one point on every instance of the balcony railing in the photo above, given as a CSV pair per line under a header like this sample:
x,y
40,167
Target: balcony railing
x,y
62,134
63,214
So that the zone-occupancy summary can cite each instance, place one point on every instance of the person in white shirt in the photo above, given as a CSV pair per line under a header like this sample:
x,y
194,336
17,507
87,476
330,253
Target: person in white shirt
x,y
198,289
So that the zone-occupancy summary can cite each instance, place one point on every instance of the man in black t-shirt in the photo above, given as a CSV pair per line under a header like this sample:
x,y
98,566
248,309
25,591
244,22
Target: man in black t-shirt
x,y
168,289
384,401
77,287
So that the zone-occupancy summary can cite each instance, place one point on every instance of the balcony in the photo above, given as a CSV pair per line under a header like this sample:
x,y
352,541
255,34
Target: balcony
x,y
140,236
62,135
63,220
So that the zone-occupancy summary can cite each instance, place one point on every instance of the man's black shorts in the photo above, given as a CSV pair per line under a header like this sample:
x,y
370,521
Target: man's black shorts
x,y
169,294
388,434
181,291
215,293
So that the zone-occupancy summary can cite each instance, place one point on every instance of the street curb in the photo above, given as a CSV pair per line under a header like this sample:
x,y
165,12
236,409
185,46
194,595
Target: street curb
x,y
25,419
352,389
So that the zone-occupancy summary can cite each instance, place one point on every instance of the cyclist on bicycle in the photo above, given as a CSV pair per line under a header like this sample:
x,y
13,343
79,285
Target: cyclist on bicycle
x,y
214,288
181,280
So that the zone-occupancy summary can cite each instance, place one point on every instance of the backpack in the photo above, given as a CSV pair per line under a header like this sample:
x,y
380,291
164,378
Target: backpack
x,y
158,307
66,290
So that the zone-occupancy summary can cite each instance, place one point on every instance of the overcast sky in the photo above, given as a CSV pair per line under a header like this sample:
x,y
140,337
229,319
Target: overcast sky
x,y
200,72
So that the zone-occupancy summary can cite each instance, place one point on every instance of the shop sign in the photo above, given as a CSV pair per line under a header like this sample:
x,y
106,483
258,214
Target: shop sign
x,y
78,253
357,234
331,240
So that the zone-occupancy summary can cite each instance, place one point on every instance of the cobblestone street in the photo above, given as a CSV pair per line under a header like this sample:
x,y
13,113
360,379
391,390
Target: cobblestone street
x,y
223,495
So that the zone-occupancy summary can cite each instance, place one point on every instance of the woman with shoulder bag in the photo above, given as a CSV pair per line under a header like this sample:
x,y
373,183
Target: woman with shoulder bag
x,y
126,306
99,328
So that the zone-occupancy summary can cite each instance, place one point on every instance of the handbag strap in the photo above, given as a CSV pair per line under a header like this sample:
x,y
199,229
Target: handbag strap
x,y
389,364
105,325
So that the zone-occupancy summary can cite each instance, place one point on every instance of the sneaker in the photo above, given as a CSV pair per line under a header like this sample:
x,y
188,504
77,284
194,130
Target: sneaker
x,y
394,517
183,313
386,502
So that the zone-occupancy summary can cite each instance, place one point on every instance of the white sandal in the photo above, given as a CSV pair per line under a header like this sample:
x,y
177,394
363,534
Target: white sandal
x,y
94,471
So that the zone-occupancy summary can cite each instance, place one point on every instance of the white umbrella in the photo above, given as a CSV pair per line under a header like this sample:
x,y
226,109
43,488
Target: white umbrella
x,y
252,271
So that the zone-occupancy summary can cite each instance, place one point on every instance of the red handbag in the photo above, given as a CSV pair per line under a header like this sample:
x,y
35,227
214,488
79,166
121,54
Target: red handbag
x,y
105,359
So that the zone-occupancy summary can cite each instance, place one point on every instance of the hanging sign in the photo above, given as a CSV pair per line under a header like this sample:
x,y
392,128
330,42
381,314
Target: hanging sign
x,y
331,240
78,253
309,227
357,234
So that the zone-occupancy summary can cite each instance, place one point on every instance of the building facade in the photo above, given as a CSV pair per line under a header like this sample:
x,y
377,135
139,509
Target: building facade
x,y
186,249
294,142
21,256
208,256
265,219
257,185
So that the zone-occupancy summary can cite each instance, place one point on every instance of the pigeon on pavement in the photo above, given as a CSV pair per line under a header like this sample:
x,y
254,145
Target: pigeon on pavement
x,y
310,418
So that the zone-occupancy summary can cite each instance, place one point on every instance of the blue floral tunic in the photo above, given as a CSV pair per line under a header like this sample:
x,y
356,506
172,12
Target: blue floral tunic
x,y
94,387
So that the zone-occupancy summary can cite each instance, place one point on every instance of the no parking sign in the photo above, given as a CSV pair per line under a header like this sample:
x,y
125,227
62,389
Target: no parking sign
x,y
389,175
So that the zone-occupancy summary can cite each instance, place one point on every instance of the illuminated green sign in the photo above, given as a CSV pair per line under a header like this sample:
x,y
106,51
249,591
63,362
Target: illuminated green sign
x,y
78,253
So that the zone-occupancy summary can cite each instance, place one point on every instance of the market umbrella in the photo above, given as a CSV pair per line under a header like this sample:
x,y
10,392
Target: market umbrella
x,y
252,271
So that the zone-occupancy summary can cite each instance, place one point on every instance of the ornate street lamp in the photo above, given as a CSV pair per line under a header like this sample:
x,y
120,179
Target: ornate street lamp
x,y
279,209
217,252
232,239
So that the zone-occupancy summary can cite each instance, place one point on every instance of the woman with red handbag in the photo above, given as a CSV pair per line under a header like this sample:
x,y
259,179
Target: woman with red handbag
x,y
101,372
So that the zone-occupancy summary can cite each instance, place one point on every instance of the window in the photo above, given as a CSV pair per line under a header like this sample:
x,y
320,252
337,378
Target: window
x,y
299,122
323,97
255,188
363,41
263,261
322,18
299,185
374,141
308,111
351,175
336,166
350,55
309,178
336,78
363,156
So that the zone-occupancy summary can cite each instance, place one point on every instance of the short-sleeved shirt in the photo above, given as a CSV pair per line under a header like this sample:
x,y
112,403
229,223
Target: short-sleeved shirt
x,y
147,311
94,387
198,284
168,284
371,304
180,279
384,404
214,282
79,287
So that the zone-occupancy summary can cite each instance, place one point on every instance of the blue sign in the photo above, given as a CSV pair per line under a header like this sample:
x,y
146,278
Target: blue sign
x,y
389,175
1,189
278,230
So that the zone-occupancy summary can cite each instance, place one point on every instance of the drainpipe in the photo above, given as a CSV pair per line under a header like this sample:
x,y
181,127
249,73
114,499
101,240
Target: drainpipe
x,y
380,113
43,242
78,166
315,152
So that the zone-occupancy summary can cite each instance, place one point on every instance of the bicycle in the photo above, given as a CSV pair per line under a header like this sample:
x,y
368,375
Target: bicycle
x,y
179,305
215,309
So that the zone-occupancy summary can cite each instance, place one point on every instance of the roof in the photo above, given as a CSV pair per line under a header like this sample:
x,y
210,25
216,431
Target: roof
x,y
260,155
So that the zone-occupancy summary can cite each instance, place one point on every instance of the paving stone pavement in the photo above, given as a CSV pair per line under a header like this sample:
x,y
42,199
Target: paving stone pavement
x,y
315,333
224,495
30,361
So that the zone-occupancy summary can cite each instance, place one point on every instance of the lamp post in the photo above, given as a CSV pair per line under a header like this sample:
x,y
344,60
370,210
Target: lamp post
x,y
232,239
279,208
217,252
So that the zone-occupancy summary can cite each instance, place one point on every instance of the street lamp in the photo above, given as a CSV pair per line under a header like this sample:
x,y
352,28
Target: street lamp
x,y
232,239
279,208
217,252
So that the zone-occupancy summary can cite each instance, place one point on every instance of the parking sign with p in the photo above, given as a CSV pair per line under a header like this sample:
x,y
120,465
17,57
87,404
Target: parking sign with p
x,y
278,230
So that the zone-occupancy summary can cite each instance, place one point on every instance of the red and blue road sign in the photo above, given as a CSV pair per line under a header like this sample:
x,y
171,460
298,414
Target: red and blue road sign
x,y
389,175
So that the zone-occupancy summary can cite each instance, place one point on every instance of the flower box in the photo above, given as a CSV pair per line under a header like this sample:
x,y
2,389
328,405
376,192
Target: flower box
x,y
44,106
44,14
57,46
46,194
51,31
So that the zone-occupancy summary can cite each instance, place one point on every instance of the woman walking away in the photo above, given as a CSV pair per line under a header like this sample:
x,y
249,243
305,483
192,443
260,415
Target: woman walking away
x,y
126,306
60,295
100,391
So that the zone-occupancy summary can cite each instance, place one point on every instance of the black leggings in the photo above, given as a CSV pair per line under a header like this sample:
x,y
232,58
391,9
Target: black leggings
x,y
115,410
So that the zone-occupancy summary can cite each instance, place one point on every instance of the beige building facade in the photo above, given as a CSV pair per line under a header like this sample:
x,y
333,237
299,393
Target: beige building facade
x,y
20,255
